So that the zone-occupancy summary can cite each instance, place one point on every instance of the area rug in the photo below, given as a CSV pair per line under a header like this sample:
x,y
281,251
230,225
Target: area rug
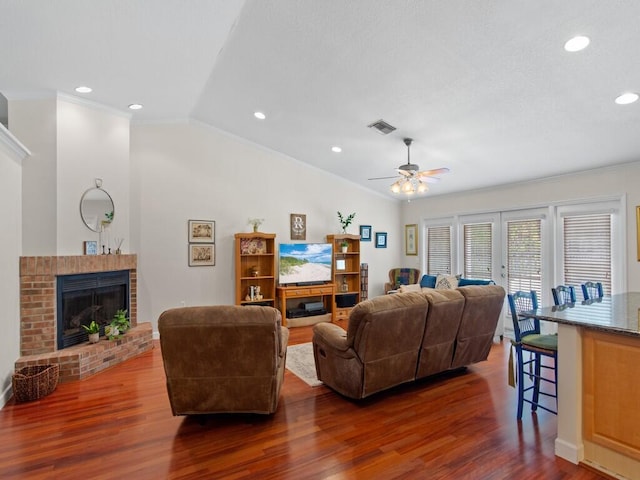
x,y
300,362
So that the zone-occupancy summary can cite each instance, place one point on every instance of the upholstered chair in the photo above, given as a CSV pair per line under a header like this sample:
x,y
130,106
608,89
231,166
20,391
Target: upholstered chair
x,y
223,358
379,349
401,276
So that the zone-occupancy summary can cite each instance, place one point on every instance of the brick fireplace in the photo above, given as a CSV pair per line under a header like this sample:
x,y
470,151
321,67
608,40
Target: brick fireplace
x,y
38,329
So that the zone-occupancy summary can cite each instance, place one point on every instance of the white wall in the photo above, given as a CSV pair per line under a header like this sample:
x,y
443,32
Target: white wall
x,y
92,143
33,121
72,143
12,155
190,171
622,180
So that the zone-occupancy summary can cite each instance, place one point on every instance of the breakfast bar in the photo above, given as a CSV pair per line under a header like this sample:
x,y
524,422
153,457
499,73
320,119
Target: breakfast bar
x,y
599,382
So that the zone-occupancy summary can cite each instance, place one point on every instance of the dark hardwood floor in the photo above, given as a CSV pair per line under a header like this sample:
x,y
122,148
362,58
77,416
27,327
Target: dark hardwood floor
x,y
118,424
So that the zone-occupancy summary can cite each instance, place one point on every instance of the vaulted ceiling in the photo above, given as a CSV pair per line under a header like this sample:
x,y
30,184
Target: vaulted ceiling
x,y
484,88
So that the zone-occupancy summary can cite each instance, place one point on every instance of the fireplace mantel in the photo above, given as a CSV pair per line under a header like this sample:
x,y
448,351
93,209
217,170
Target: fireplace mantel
x,y
38,315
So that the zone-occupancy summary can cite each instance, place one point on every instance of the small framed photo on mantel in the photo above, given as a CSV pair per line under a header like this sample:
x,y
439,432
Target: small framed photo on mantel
x,y
91,247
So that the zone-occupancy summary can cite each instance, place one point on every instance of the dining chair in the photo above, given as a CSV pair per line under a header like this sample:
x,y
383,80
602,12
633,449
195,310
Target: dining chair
x,y
563,295
531,347
592,290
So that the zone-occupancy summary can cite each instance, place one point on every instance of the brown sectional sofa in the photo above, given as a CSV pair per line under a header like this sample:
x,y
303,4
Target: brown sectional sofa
x,y
399,338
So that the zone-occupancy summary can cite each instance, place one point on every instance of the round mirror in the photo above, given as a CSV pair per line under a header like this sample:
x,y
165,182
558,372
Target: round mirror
x,y
96,209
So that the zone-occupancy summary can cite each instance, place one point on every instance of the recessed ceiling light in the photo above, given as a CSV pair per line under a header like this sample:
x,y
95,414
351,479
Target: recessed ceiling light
x,y
576,44
84,89
336,149
259,115
627,98
135,106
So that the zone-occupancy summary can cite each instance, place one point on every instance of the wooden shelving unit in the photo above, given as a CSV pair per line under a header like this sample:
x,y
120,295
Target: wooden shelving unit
x,y
346,274
255,260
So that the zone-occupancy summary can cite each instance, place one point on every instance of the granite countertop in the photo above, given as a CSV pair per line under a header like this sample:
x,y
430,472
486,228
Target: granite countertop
x,y
614,314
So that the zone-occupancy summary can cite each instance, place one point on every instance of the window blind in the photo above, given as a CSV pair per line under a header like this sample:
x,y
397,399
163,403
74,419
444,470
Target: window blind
x,y
524,256
439,250
587,250
478,250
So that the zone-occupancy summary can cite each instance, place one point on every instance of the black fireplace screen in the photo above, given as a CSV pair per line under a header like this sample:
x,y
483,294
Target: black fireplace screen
x,y
87,297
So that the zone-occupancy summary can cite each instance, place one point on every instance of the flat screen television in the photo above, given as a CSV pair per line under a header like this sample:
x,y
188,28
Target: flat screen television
x,y
304,263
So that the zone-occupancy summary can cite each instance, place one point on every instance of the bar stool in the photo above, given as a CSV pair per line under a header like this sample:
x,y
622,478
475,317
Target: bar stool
x,y
531,347
592,290
563,295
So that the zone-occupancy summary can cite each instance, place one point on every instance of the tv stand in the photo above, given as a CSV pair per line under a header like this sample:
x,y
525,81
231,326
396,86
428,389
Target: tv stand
x,y
290,297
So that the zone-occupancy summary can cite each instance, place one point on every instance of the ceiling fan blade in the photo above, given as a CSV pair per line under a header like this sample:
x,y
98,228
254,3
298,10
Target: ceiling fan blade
x,y
430,173
404,173
428,179
382,178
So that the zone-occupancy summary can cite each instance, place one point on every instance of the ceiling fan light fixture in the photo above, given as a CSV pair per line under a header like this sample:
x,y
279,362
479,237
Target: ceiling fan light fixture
x,y
395,188
422,188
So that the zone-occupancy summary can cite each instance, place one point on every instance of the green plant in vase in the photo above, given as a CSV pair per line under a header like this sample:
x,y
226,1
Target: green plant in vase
x,y
93,329
119,324
345,221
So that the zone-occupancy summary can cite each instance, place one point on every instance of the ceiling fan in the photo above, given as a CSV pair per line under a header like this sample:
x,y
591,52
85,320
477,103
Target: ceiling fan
x,y
412,180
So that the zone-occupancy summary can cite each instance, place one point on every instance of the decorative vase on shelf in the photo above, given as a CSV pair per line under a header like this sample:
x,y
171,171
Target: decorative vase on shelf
x,y
344,248
94,337
345,286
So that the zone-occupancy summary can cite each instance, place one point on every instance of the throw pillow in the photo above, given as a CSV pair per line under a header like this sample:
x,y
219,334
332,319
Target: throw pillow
x,y
414,287
428,281
472,281
446,282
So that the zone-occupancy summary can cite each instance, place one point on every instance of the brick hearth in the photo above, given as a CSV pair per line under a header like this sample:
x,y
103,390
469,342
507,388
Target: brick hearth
x,y
38,316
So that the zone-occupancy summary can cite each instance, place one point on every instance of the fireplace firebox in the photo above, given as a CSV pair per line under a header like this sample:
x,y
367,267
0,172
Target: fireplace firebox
x,y
88,297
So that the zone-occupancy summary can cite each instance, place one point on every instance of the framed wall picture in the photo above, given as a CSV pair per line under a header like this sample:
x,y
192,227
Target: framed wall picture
x,y
202,231
91,247
202,255
298,226
411,239
381,239
365,233
638,233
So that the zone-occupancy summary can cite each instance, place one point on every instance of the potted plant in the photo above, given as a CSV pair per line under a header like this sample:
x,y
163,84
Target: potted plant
x,y
344,245
119,324
93,329
345,221
255,223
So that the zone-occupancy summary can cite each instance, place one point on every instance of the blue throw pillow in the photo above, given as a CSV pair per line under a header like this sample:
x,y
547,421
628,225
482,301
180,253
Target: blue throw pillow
x,y
428,281
473,281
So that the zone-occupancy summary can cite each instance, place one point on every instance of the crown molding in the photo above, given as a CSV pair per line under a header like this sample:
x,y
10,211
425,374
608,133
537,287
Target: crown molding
x,y
22,95
91,104
13,146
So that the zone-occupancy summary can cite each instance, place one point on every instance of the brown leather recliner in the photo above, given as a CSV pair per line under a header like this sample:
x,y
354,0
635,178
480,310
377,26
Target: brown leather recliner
x,y
482,307
379,349
223,358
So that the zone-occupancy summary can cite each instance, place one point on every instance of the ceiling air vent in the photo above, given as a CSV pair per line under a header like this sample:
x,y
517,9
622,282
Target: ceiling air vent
x,y
382,127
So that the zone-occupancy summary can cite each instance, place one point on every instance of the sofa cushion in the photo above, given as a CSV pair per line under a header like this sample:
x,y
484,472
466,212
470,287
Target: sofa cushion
x,y
446,282
428,281
414,287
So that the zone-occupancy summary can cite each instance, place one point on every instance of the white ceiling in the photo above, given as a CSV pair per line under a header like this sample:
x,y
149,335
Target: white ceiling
x,y
484,88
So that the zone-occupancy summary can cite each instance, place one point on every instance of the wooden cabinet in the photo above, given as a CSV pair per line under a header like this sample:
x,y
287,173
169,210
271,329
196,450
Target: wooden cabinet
x,y
346,273
290,298
255,267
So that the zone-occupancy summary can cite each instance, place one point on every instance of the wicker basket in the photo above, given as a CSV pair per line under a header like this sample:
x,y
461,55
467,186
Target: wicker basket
x,y
34,382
